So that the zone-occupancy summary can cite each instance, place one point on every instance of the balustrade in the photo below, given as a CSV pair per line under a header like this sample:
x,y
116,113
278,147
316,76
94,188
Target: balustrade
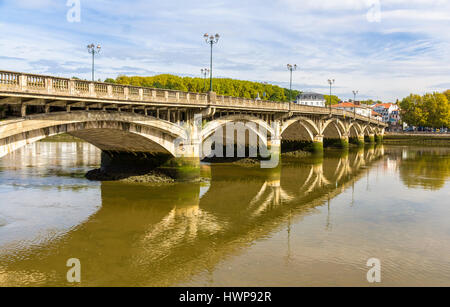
x,y
9,78
37,82
12,81
82,86
61,85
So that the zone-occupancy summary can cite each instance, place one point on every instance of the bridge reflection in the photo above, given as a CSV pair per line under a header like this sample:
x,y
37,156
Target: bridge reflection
x,y
165,235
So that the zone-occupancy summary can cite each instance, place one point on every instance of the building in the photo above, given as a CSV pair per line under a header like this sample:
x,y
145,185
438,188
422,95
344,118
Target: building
x,y
389,112
351,107
311,99
377,116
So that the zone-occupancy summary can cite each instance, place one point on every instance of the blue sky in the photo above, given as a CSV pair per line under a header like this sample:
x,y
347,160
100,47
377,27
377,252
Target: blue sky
x,y
385,49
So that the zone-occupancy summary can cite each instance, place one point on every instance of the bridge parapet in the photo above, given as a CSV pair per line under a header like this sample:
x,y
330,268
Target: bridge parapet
x,y
33,86
226,101
47,85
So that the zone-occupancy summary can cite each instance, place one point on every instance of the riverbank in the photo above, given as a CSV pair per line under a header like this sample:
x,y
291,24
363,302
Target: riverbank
x,y
417,139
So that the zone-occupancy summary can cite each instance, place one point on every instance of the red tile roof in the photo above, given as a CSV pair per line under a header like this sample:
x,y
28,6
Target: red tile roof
x,y
344,105
385,105
375,113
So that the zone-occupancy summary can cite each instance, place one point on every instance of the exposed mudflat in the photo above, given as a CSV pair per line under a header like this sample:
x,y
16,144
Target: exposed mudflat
x,y
151,177
296,154
247,162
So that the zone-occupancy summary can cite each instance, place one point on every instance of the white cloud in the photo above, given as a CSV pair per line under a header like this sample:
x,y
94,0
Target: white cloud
x,y
407,51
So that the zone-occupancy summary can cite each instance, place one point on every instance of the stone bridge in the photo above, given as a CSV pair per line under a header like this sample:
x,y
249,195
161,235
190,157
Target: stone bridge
x,y
138,121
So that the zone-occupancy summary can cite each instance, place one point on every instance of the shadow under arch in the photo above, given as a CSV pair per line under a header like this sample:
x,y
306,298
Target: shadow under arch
x,y
299,129
219,123
232,137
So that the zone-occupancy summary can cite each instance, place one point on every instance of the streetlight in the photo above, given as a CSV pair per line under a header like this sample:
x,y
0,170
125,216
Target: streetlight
x,y
330,82
205,72
92,49
265,94
354,103
211,39
291,68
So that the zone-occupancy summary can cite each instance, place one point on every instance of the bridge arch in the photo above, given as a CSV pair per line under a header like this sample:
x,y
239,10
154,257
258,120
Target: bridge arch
x,y
337,125
378,131
219,123
299,128
109,131
367,130
333,129
355,130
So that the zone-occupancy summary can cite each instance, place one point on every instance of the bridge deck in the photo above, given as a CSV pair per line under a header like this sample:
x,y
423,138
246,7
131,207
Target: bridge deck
x,y
32,89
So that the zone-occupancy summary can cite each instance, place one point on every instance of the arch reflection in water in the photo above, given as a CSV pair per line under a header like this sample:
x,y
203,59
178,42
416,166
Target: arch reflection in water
x,y
147,235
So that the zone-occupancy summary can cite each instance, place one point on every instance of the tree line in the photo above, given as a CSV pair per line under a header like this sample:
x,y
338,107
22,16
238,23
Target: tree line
x,y
430,110
222,86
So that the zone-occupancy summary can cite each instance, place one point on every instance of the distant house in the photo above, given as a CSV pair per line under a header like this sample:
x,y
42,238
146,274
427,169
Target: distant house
x,y
389,112
377,116
351,107
311,99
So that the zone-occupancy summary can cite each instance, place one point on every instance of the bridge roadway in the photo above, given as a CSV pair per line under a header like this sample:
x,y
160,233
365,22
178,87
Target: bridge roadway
x,y
129,119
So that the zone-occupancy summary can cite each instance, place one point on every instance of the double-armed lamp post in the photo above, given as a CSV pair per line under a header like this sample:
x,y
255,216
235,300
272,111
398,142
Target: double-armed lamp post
x,y
330,82
291,68
205,72
354,102
92,49
211,39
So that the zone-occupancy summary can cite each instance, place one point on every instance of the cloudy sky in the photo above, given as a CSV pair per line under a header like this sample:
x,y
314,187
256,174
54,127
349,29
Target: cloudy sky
x,y
385,49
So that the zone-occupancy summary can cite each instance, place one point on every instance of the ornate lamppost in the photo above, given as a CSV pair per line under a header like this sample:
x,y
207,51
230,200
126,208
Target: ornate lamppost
x,y
211,40
92,49
291,68
354,103
205,72
330,82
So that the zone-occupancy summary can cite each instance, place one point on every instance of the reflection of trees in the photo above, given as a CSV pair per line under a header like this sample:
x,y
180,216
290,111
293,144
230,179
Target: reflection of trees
x,y
426,169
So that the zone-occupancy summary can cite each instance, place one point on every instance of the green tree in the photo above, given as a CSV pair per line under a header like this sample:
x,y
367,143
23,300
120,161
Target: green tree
x,y
334,99
429,110
410,109
222,86
447,94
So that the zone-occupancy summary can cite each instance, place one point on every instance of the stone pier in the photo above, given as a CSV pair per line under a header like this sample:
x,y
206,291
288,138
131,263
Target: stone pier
x,y
317,145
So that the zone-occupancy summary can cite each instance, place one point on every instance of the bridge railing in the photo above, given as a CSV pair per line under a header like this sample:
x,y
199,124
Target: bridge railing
x,y
47,85
238,102
63,87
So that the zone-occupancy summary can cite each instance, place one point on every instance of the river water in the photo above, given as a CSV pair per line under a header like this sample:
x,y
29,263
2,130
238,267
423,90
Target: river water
x,y
311,222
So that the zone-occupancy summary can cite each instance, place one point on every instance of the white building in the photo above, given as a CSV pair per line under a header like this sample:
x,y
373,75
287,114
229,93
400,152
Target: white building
x,y
311,99
390,113
377,116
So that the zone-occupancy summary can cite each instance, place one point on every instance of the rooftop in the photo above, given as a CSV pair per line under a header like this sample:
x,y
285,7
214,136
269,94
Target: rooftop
x,y
348,105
